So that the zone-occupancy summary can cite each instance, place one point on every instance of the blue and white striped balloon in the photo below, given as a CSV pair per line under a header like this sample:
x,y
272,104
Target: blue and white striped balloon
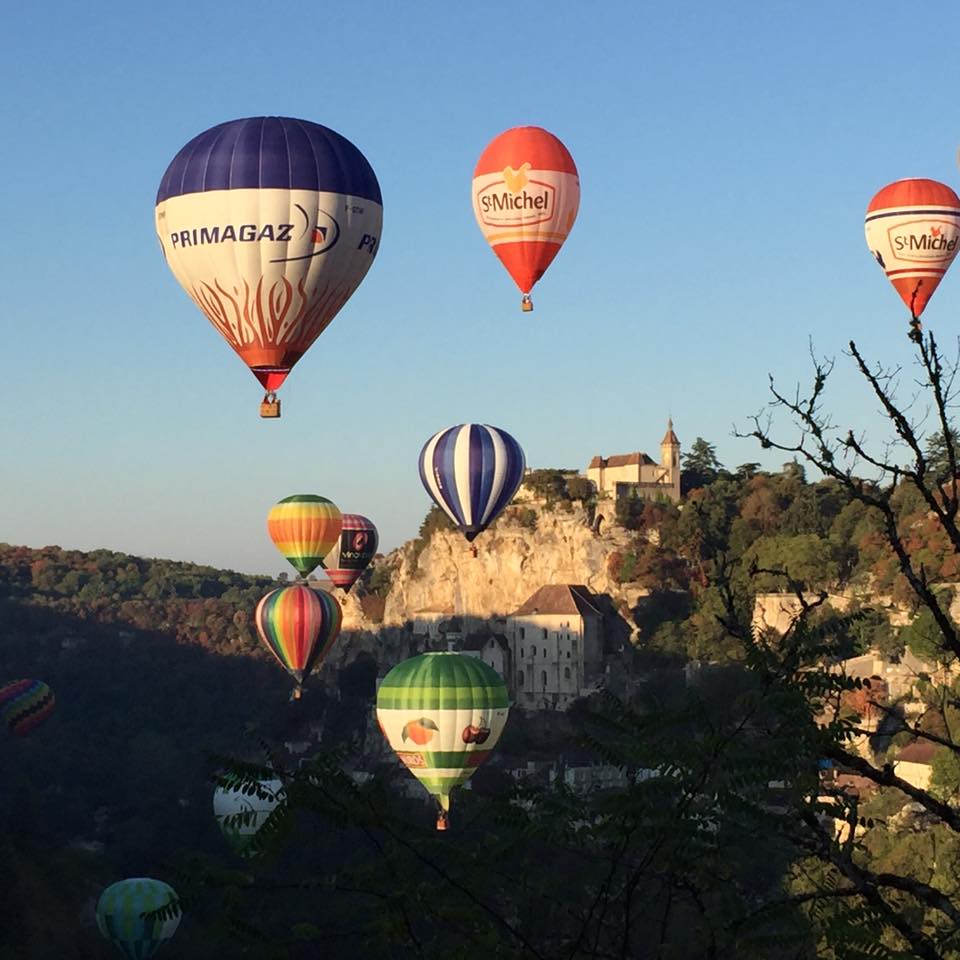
x,y
472,472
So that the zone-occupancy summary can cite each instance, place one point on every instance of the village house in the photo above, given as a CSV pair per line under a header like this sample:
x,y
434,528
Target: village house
x,y
492,648
636,474
426,622
914,763
555,641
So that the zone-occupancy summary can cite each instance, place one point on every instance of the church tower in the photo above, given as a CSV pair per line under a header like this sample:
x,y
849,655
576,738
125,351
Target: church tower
x,y
670,459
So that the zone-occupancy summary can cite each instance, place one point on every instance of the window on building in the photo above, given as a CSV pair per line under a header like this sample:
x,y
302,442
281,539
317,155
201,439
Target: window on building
x,y
521,633
520,679
568,654
544,633
573,643
566,673
543,678
521,651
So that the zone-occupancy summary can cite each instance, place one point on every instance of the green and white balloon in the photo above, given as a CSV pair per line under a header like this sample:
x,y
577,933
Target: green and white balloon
x,y
242,809
443,714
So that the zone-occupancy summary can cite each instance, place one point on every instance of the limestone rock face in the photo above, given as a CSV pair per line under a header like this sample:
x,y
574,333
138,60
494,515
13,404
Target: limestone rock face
x,y
512,562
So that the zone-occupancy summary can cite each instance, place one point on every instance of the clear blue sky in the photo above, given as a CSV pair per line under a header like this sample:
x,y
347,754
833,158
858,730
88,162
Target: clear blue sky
x,y
726,152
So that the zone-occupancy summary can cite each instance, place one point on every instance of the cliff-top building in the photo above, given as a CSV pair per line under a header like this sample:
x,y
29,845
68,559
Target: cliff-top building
x,y
636,474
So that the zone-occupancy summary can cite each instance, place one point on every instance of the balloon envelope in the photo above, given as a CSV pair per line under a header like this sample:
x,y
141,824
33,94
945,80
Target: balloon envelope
x,y
298,626
24,705
472,472
912,229
269,224
242,809
352,553
120,916
442,713
304,529
526,193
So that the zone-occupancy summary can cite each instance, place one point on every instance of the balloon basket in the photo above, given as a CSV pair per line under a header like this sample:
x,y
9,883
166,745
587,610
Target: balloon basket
x,y
526,304
270,407
443,822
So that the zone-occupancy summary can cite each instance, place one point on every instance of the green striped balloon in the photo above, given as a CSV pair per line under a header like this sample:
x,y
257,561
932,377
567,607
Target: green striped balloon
x,y
120,916
443,714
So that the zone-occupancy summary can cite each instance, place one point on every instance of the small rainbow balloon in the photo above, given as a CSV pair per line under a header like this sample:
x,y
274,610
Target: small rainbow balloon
x,y
298,626
24,705
304,529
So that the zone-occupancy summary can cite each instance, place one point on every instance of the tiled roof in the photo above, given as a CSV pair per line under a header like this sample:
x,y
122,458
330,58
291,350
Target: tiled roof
x,y
918,751
622,460
555,598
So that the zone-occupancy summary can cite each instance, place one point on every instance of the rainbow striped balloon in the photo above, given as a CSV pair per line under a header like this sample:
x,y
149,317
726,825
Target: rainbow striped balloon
x,y
120,916
443,714
25,704
304,528
298,626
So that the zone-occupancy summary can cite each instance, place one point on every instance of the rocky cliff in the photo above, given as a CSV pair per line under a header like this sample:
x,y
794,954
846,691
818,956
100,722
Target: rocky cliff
x,y
513,559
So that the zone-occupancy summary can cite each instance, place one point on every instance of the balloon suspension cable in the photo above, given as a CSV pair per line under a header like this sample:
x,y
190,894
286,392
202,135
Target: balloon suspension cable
x,y
270,406
526,304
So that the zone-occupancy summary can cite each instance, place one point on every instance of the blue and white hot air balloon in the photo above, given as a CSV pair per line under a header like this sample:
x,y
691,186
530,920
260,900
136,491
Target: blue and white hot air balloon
x,y
269,224
472,472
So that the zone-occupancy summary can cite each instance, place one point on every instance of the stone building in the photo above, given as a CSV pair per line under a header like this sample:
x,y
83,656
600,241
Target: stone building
x,y
626,474
556,647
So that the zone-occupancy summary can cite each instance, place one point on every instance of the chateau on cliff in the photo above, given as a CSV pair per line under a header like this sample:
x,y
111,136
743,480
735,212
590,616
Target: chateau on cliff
x,y
636,474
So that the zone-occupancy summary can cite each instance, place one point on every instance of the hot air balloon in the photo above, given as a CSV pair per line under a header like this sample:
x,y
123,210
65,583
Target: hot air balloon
x,y
526,192
353,552
442,713
912,230
472,472
120,916
304,528
269,224
298,626
24,705
242,808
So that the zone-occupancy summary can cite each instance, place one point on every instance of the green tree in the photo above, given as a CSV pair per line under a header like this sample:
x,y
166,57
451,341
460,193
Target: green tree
x,y
941,453
699,465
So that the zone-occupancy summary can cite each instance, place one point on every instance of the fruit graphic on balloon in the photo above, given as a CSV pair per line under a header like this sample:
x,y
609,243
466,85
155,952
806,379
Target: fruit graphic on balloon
x,y
475,734
419,731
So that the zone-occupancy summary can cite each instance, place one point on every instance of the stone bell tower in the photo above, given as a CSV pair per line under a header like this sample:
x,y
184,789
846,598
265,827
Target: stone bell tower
x,y
670,460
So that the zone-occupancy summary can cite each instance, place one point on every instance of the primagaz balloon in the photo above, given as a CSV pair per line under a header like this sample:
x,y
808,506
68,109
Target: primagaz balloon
x,y
120,916
443,714
526,193
304,529
298,626
269,224
472,472
912,229
242,808
353,552
24,705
